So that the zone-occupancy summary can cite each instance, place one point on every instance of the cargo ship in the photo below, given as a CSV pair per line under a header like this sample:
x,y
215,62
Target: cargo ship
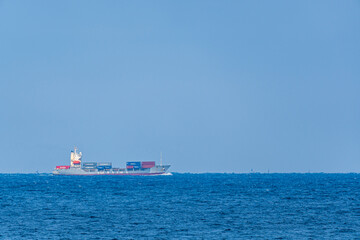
x,y
77,167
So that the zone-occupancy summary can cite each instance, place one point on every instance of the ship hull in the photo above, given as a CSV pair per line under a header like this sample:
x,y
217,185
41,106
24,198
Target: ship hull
x,y
157,170
110,174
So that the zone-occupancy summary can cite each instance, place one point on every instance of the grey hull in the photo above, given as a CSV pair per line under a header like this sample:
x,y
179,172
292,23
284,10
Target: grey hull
x,y
157,170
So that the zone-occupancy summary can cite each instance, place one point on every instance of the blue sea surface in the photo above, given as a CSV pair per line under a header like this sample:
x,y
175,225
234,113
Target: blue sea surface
x,y
182,206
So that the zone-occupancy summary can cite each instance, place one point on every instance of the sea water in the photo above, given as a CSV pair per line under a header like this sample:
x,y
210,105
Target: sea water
x,y
181,206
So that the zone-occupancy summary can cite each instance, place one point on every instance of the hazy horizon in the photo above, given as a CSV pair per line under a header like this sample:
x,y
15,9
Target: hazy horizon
x,y
217,86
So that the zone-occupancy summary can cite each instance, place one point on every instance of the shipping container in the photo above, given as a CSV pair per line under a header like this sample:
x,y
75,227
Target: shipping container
x,y
133,164
148,164
89,164
104,164
89,167
62,167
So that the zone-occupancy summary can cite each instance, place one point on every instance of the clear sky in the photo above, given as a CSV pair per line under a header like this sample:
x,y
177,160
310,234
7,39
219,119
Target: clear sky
x,y
217,86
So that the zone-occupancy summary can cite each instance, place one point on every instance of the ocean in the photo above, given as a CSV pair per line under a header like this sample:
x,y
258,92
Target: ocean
x,y
181,206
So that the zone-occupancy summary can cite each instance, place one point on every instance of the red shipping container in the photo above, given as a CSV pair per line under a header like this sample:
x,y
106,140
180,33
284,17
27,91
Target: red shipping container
x,y
148,164
62,167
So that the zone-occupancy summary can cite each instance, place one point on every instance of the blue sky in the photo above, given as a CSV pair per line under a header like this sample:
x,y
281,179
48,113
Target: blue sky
x,y
217,86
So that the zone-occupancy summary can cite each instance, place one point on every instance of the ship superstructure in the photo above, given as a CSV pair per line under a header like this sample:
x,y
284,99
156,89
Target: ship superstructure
x,y
77,167
75,158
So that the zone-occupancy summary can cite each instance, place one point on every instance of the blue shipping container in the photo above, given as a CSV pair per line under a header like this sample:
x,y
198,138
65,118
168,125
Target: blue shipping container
x,y
133,164
104,164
